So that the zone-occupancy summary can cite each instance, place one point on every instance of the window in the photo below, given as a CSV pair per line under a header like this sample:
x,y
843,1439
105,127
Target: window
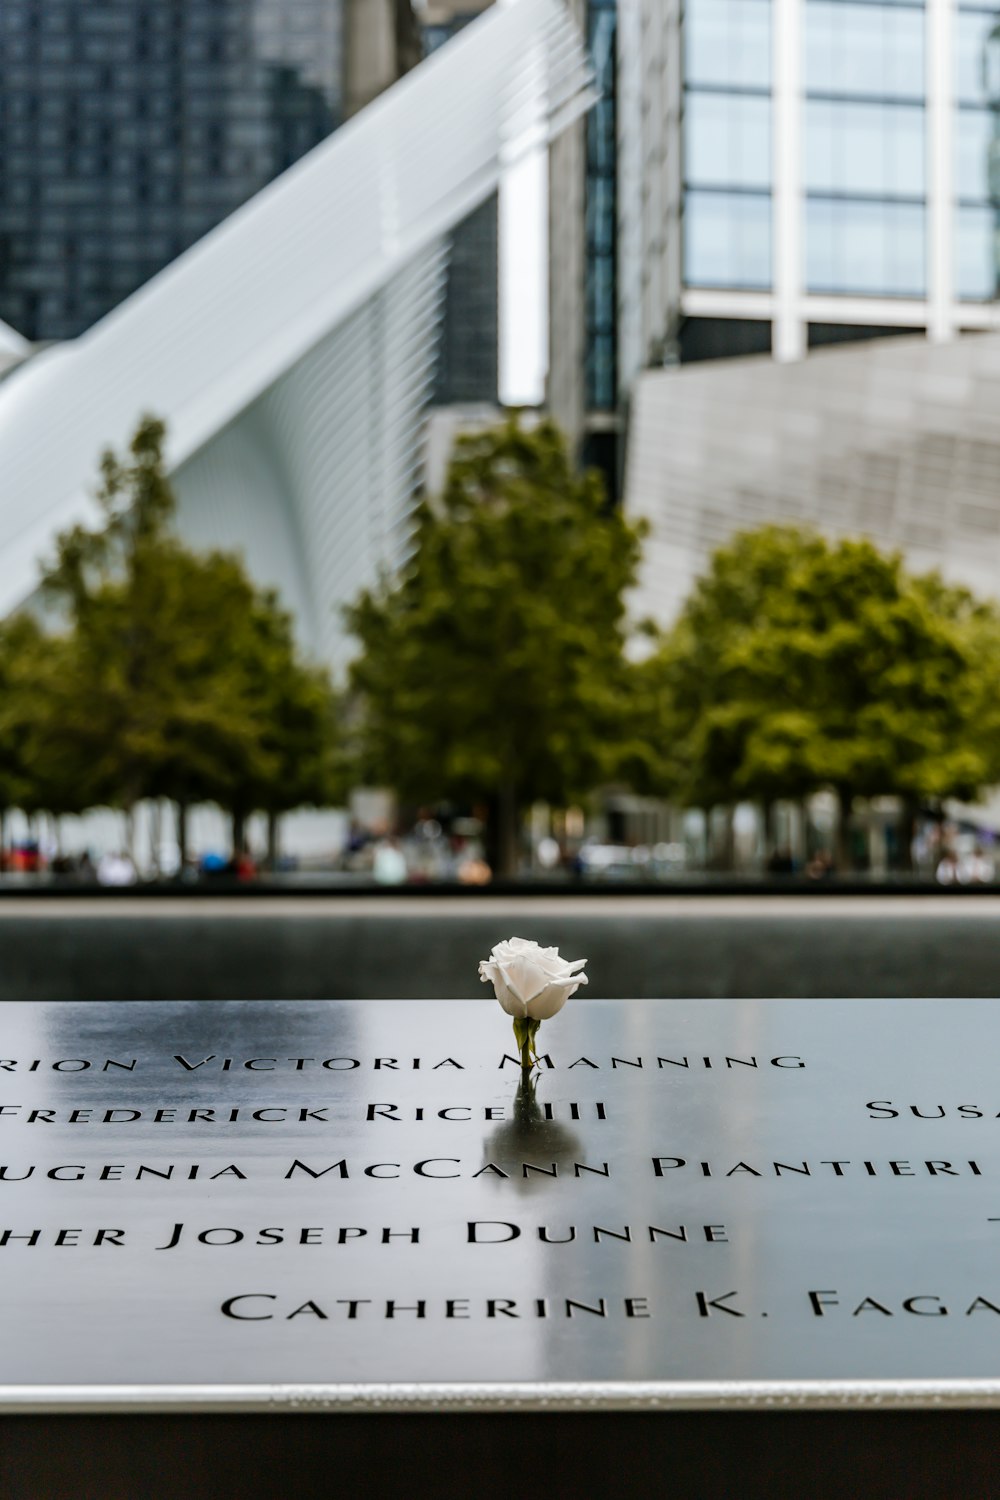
x,y
972,31
869,249
727,239
600,372
727,43
601,216
977,153
976,130
864,149
727,140
975,268
862,50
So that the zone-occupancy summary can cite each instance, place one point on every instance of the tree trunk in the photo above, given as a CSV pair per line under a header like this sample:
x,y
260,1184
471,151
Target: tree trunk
x,y
770,842
842,848
239,832
729,842
272,841
907,829
504,834
803,807
709,861
182,836
155,835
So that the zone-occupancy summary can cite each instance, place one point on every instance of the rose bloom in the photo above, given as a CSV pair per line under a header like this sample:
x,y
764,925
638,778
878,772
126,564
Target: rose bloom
x,y
529,981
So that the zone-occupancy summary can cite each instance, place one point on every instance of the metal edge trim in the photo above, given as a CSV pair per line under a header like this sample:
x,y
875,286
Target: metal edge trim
x,y
498,1396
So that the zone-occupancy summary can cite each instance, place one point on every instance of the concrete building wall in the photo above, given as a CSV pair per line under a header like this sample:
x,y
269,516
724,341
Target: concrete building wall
x,y
468,346
894,439
649,185
381,43
567,247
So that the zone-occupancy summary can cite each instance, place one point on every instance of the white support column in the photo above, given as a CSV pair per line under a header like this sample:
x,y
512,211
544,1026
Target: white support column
x,y
789,330
940,187
523,238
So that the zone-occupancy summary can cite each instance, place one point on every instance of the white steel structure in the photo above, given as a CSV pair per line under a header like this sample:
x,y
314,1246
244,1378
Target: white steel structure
x,y
290,351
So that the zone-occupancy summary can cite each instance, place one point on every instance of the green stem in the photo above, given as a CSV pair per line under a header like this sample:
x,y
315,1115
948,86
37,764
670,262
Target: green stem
x,y
525,1031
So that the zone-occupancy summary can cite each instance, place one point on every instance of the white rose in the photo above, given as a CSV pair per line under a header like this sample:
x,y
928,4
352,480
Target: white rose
x,y
531,983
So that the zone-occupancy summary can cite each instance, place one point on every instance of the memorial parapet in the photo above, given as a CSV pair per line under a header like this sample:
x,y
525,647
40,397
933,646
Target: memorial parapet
x,y
224,1205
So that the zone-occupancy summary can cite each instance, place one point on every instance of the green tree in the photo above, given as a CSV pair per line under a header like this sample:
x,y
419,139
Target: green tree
x,y
22,667
492,668
981,624
296,761
799,663
181,668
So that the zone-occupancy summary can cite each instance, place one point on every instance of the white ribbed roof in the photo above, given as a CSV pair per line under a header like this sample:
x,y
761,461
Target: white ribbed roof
x,y
220,326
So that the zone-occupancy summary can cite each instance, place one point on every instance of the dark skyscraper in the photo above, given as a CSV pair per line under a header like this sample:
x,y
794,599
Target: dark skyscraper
x,y
600,209
468,352
129,128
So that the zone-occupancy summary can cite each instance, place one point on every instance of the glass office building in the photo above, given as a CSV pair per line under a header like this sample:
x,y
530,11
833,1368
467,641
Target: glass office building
x,y
841,169
600,290
727,143
864,164
128,128
977,151
467,367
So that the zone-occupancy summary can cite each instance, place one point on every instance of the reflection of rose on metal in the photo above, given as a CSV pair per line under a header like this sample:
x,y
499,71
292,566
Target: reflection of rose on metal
x,y
529,1137
531,983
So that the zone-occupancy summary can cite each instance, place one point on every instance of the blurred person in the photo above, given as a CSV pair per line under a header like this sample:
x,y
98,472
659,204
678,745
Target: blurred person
x,y
976,868
116,869
357,838
389,864
474,871
820,867
548,853
924,849
947,870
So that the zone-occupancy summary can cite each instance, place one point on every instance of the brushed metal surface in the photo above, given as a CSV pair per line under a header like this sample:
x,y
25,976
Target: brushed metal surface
x,y
807,1211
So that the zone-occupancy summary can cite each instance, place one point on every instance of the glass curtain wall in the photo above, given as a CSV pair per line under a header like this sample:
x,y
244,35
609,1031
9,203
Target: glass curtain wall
x,y
128,128
727,144
977,151
864,160
600,291
467,366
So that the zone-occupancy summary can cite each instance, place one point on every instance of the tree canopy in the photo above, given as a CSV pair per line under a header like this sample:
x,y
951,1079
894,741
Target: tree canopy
x,y
22,690
179,678
492,668
799,663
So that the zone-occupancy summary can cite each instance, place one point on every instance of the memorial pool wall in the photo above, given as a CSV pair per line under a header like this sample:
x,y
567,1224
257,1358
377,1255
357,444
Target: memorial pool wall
x,y
368,947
